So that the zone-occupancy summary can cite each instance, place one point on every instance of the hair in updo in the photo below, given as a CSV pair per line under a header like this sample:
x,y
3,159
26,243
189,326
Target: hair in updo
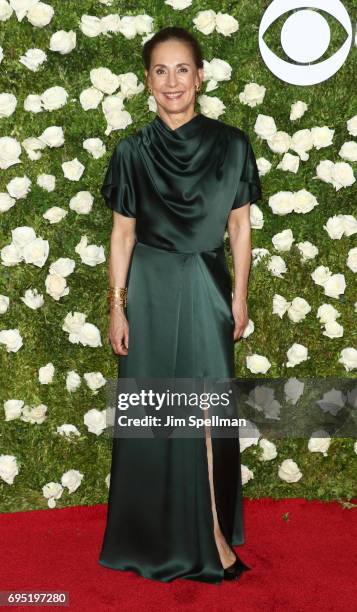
x,y
169,33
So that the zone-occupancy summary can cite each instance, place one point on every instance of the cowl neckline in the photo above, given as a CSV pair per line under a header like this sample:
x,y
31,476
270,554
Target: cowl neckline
x,y
190,128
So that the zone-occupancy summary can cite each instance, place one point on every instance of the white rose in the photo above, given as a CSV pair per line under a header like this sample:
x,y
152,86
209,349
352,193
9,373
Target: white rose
x,y
5,10
94,380
352,259
335,227
52,491
247,474
321,275
19,187
332,401
110,23
8,468
95,421
11,255
277,266
118,120
89,335
143,24
90,98
56,286
319,442
73,381
342,175
54,98
33,59
73,169
91,26
10,151
179,5
282,203
280,305
349,224
13,409
32,146
63,42
107,480
322,137
46,373
249,329
279,142
211,106
226,24
307,250
296,354
12,339
348,151
4,303
52,136
324,170
73,322
68,430
55,214
129,86
335,285
333,329
128,27
90,254
304,201
8,103
269,450
33,104
352,126
82,202
113,104
293,390
219,70
46,181
289,163
263,165
104,80
283,240
205,22
95,147
265,126
40,14
302,141
33,299
326,313
298,309
257,364
72,480
348,358
252,95
256,217
63,266
289,471
34,415
36,252
297,110
23,235
6,202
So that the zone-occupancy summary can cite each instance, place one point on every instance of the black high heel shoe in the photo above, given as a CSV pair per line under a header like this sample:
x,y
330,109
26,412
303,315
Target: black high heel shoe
x,y
232,572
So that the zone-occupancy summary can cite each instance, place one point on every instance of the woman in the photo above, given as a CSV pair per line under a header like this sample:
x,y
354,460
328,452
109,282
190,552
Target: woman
x,y
175,504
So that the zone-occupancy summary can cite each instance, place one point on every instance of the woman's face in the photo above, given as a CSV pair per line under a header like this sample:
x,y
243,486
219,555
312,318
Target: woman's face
x,y
173,71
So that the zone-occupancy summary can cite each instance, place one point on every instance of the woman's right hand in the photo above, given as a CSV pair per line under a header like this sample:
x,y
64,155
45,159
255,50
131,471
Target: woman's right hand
x,y
119,331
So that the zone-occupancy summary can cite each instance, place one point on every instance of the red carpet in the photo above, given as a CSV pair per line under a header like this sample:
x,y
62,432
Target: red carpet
x,y
308,562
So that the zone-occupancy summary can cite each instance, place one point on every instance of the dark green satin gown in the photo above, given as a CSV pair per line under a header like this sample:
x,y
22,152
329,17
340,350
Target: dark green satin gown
x,y
180,185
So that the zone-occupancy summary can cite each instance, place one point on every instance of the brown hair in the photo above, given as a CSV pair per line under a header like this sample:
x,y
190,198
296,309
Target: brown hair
x,y
168,33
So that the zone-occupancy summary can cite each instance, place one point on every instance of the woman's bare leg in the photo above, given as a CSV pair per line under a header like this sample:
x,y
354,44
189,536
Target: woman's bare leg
x,y
225,551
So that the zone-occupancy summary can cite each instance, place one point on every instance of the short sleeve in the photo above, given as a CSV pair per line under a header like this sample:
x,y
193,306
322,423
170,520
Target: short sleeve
x,y
118,189
249,186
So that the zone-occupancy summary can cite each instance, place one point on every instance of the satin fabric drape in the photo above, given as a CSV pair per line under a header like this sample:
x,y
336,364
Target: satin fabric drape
x,y
180,185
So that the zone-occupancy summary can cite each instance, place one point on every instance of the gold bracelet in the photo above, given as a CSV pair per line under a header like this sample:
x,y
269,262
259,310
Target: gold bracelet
x,y
115,293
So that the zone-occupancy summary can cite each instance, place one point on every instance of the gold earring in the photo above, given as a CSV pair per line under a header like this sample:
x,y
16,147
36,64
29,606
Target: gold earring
x,y
198,88
150,90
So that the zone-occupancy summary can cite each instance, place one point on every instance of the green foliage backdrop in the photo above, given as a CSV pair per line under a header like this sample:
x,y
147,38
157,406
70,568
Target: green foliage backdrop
x,y
42,455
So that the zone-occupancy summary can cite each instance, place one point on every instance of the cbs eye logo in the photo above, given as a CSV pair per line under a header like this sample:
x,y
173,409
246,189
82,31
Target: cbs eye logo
x,y
305,36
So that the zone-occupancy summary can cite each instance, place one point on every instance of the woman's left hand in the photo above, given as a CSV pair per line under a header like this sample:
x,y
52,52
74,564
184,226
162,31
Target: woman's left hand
x,y
240,314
